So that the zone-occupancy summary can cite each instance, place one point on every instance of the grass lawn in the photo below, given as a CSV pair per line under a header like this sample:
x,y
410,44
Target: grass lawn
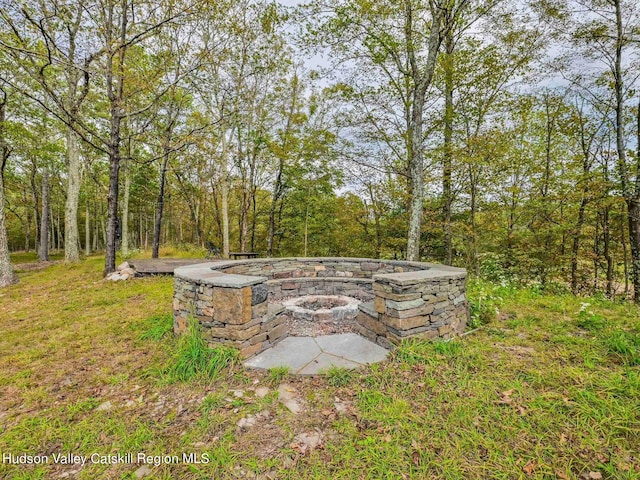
x,y
543,391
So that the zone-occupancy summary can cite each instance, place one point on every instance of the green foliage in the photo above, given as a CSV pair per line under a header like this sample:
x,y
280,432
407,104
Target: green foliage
x,y
449,348
589,320
485,299
196,361
492,268
157,327
278,374
339,376
625,345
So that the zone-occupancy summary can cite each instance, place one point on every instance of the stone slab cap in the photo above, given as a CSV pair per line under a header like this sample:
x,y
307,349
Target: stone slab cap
x,y
278,281
413,278
367,307
202,273
221,265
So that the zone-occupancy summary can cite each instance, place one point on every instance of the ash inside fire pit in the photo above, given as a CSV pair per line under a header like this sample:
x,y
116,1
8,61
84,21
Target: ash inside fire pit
x,y
315,315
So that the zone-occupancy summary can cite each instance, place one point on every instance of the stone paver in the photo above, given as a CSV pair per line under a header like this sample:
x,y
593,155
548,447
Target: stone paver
x,y
292,352
324,362
312,355
353,347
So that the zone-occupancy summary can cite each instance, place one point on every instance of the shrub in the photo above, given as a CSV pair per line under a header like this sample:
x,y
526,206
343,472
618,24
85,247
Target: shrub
x,y
485,300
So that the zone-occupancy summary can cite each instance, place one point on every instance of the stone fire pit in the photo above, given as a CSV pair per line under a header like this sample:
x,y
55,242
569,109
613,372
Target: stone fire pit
x,y
254,304
316,315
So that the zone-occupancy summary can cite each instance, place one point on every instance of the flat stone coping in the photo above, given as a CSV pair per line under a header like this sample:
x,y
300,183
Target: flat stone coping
x,y
280,281
412,278
219,265
203,273
315,355
209,273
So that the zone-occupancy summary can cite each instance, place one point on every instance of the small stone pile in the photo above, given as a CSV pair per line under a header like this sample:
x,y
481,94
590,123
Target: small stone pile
x,y
124,271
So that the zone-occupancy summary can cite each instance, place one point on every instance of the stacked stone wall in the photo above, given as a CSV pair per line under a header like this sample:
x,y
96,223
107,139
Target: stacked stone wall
x,y
423,307
237,302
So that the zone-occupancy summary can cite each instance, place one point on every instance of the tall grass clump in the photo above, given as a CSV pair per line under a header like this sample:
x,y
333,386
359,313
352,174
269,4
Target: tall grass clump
x,y
195,360
157,327
625,345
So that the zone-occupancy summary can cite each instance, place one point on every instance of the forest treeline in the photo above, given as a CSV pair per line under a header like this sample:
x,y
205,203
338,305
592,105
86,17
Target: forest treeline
x,y
500,136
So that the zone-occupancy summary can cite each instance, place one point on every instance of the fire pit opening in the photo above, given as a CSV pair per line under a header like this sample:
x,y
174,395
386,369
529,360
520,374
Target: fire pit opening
x,y
327,302
316,315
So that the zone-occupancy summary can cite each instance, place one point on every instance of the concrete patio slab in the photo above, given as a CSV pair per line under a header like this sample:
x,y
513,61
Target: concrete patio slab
x,y
352,346
312,355
324,362
292,352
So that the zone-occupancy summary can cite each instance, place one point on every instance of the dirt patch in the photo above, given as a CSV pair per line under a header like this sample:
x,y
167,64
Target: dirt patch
x,y
35,266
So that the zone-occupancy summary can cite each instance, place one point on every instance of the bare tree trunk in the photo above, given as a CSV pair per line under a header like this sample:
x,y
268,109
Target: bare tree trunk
x,y
160,204
416,172
96,225
225,217
124,244
71,251
27,232
43,247
575,247
59,230
52,229
625,256
447,199
596,253
140,227
115,93
36,199
472,220
87,230
376,218
254,219
633,206
277,193
103,225
7,276
606,240
422,79
306,230
225,197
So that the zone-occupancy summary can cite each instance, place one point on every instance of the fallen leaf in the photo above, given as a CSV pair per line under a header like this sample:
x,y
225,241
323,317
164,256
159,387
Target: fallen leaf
x,y
595,475
507,393
529,467
415,458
